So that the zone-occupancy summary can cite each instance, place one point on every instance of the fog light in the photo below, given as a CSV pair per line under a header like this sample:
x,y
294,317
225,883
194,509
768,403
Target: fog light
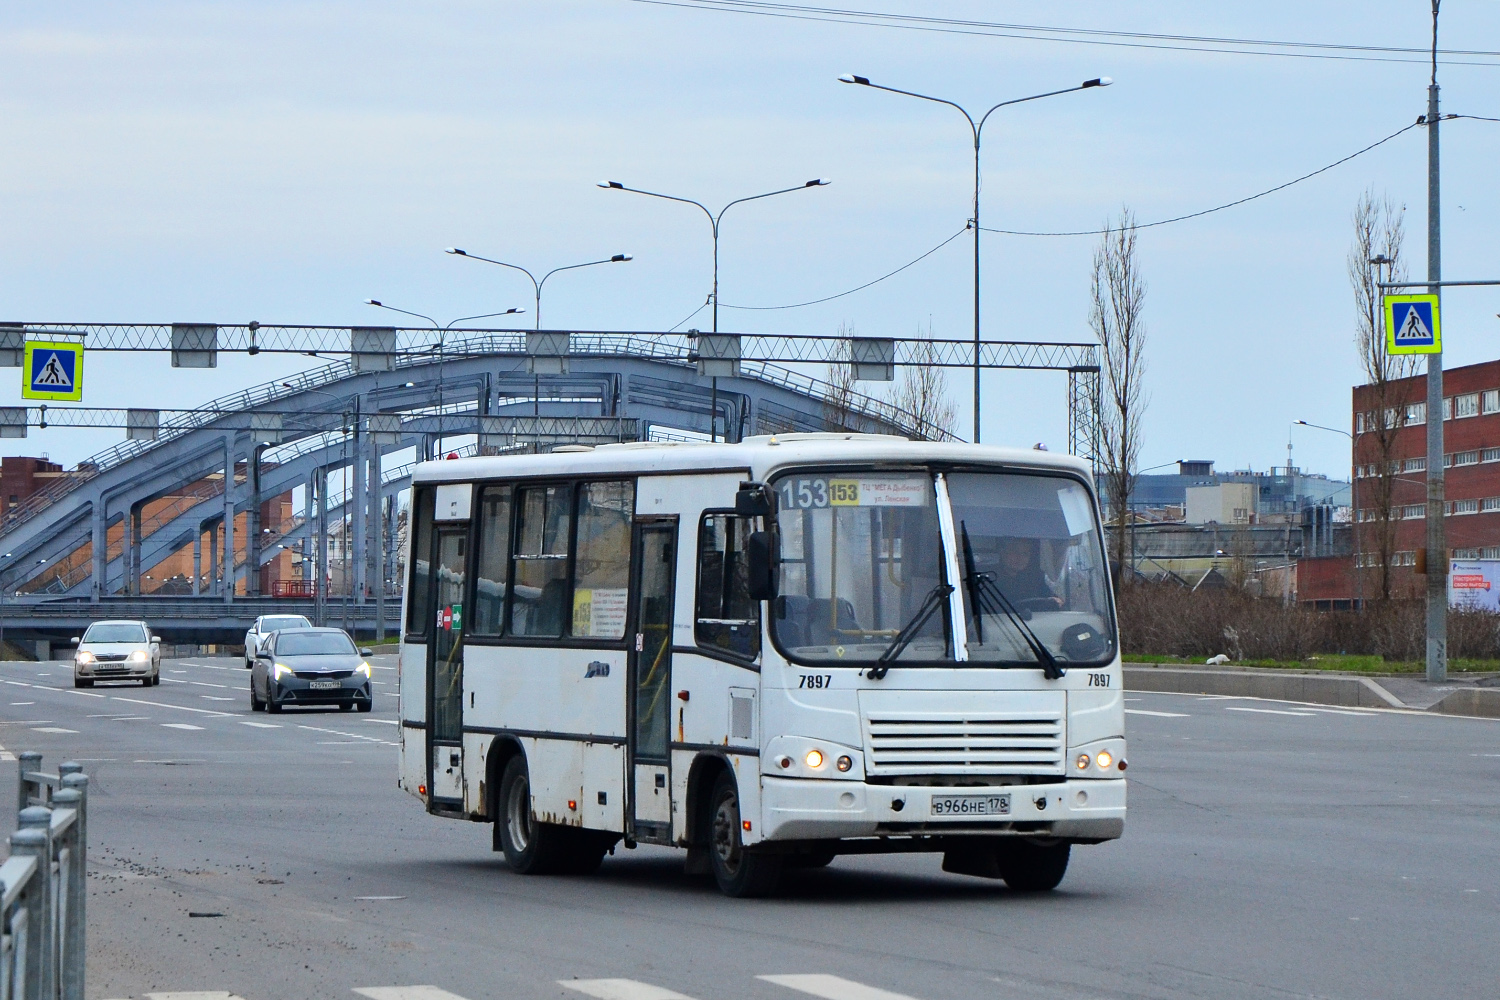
x,y
844,763
814,759
1083,762
1104,759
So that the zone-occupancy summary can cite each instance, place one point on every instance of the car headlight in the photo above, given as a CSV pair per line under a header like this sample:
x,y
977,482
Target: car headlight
x,y
281,670
139,656
85,657
363,668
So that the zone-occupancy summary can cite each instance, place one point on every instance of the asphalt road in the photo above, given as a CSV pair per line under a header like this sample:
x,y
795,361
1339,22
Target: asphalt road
x,y
1272,851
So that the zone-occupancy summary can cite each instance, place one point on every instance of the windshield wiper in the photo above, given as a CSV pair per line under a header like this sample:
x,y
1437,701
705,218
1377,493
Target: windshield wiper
x,y
930,605
985,592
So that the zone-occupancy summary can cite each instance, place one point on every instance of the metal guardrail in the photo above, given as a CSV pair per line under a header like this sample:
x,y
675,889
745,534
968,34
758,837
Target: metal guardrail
x,y
43,915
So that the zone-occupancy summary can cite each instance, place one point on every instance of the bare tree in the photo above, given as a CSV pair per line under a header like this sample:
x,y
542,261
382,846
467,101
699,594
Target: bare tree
x,y
1379,231
1118,294
923,389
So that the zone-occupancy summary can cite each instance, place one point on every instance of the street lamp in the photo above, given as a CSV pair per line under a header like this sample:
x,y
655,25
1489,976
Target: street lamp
x,y
713,220
536,285
977,129
1359,577
536,379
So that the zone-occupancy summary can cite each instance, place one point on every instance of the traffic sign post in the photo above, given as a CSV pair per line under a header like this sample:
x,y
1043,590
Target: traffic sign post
x,y
1413,325
52,370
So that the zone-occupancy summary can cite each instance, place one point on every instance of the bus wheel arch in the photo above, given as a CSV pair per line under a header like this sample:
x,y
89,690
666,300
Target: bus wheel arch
x,y
702,775
500,752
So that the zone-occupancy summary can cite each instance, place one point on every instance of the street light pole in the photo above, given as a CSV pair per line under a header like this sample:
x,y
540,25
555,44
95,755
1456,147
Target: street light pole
x,y
978,130
536,286
713,221
1437,547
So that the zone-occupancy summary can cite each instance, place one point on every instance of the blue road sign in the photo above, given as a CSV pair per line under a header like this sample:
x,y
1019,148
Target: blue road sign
x,y
1412,324
53,370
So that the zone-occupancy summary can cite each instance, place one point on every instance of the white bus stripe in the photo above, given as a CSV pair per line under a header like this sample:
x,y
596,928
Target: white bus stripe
x,y
833,987
406,993
620,989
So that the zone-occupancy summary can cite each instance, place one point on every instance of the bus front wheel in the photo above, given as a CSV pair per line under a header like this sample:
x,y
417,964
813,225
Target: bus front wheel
x,y
1028,867
740,872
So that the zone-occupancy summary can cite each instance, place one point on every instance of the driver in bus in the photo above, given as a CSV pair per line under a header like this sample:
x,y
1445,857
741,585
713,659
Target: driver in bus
x,y
1020,577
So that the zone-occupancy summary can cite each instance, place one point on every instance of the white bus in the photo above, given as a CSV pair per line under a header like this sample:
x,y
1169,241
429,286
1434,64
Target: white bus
x,y
768,653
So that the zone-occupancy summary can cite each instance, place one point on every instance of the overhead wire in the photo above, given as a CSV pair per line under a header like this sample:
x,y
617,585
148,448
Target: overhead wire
x,y
1085,36
830,298
1219,208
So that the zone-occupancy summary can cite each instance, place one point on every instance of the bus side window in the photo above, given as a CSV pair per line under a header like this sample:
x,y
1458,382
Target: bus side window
x,y
539,594
493,560
421,564
727,619
601,563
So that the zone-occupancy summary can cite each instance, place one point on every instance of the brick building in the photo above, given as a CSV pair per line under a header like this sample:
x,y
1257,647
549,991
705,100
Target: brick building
x,y
1471,441
20,477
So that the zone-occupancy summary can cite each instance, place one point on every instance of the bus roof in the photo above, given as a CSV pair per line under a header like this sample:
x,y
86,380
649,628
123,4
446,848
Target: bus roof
x,y
760,456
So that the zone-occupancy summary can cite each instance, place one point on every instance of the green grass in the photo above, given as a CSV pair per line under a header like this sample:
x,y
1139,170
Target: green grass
x,y
1333,661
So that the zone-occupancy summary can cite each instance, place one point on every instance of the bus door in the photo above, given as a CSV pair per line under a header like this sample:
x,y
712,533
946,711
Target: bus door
x,y
445,669
650,683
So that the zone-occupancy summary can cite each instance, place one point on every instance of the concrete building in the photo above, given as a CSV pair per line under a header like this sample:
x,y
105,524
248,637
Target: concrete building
x,y
1281,491
1222,503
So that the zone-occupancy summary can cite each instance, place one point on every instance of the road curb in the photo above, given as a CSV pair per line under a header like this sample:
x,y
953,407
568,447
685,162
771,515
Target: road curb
x,y
1315,689
1481,702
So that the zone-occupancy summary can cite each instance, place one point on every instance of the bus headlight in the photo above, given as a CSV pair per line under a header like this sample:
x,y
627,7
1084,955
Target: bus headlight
x,y
814,759
1082,762
1103,760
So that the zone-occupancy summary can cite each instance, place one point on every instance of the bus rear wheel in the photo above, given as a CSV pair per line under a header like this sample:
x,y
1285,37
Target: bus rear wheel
x,y
739,871
531,848
1029,867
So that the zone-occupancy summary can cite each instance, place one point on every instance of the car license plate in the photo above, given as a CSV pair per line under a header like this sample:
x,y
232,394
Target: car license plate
x,y
971,805
324,685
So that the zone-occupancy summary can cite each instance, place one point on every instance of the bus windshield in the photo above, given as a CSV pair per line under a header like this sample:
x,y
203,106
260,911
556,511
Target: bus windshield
x,y
864,570
860,557
1033,569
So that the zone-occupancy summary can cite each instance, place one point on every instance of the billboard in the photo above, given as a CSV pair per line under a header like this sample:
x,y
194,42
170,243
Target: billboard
x,y
1474,584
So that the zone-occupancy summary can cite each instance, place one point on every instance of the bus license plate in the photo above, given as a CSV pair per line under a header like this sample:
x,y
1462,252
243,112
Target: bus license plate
x,y
971,805
323,685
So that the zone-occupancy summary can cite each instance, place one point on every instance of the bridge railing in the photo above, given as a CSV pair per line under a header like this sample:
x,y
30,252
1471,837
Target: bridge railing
x,y
43,887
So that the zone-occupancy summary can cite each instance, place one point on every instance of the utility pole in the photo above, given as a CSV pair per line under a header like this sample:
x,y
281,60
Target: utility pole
x,y
1437,551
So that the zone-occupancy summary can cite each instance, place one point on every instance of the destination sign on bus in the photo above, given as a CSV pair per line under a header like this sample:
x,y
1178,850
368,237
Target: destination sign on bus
x,y
856,491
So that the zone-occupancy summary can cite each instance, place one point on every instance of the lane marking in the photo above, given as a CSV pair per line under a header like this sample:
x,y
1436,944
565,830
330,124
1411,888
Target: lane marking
x,y
173,680
131,718
379,897
357,736
386,722
215,697
52,729
1359,713
163,704
19,684
833,987
406,993
259,725
194,995
6,755
207,684
614,989
1160,715
86,694
17,703
181,725
1265,711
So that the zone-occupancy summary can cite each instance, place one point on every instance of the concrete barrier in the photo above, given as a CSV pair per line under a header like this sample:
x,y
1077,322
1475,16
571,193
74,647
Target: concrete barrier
x,y
1482,702
1313,688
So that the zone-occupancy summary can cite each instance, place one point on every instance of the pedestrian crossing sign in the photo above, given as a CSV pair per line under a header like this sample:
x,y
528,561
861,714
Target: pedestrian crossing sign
x,y
53,370
1412,325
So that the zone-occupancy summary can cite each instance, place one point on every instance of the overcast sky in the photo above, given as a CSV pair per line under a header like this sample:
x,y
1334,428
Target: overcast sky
x,y
284,161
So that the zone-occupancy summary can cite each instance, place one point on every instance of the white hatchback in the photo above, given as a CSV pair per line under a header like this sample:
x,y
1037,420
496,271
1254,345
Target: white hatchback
x,y
117,650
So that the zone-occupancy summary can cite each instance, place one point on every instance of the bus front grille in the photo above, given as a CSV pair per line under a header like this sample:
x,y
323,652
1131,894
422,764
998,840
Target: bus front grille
x,y
1027,737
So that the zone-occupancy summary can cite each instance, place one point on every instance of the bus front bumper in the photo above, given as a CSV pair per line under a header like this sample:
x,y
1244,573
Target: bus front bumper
x,y
812,809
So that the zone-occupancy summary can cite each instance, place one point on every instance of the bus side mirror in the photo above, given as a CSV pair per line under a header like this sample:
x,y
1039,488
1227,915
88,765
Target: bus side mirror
x,y
753,500
761,565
